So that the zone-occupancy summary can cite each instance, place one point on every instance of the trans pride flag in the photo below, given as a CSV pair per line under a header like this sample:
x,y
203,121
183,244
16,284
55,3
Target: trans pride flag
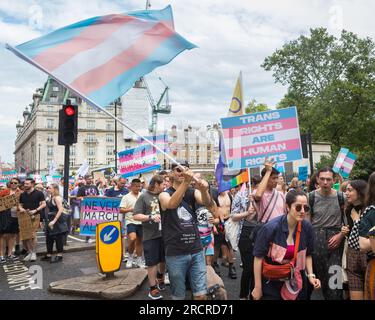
x,y
344,162
138,160
100,58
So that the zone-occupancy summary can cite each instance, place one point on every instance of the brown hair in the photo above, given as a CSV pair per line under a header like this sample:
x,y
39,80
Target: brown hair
x,y
370,192
157,179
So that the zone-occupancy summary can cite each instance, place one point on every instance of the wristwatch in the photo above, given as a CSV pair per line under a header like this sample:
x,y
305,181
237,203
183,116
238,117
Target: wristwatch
x,y
311,275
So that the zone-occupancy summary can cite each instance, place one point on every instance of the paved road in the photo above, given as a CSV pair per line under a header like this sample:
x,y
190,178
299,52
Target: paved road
x,y
14,278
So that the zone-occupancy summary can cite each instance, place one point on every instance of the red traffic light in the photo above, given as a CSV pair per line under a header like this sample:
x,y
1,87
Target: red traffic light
x,y
69,111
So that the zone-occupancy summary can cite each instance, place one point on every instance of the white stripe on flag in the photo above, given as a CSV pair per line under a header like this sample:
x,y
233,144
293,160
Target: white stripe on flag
x,y
248,141
119,41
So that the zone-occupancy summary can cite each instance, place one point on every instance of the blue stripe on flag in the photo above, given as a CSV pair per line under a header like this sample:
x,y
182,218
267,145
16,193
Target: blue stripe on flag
x,y
148,169
167,50
157,15
233,122
34,47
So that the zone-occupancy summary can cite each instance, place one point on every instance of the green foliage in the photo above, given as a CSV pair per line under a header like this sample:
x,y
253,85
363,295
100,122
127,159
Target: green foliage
x,y
253,107
332,83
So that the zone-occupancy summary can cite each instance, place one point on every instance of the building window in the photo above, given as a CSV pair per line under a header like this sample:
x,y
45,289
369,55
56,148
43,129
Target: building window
x,y
191,148
110,160
91,151
49,162
50,109
90,109
72,150
91,161
55,89
110,151
50,123
91,137
110,137
192,160
128,147
53,98
49,151
109,125
72,162
90,124
73,100
50,137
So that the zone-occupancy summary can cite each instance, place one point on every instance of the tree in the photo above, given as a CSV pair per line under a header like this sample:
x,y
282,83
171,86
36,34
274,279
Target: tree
x,y
332,83
253,107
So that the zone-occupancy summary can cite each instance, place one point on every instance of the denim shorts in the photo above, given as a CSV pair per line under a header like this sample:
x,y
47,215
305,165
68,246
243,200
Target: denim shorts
x,y
194,266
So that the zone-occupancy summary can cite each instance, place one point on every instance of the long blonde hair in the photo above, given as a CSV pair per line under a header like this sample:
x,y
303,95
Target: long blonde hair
x,y
56,189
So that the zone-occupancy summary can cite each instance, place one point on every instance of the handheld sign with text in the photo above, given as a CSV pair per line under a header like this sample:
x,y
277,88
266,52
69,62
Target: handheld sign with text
x,y
108,246
251,138
303,173
95,210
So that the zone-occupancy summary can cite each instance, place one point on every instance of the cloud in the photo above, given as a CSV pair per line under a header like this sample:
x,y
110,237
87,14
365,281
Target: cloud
x,y
231,35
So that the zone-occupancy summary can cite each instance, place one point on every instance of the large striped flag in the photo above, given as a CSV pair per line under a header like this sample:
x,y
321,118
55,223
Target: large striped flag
x,y
138,160
101,58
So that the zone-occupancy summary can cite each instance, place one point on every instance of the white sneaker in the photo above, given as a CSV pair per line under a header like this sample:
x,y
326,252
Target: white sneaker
x,y
27,258
33,257
129,263
140,263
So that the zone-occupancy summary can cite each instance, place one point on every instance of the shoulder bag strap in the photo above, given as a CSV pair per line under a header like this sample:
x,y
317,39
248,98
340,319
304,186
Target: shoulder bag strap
x,y
273,206
296,245
269,203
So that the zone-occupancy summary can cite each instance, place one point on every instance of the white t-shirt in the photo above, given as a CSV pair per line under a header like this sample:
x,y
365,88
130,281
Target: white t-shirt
x,y
128,201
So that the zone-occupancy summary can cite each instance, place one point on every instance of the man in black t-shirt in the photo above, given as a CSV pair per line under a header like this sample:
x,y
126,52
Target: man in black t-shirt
x,y
87,190
183,247
32,202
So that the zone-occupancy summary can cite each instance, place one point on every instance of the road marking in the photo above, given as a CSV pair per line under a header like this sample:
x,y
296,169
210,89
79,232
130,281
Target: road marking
x,y
18,276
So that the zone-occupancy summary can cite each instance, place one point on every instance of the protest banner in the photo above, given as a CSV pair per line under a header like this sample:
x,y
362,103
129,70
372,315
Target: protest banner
x,y
8,202
95,210
251,138
138,160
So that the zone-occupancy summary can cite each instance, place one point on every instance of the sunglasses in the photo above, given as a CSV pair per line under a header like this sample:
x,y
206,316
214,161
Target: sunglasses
x,y
14,183
298,207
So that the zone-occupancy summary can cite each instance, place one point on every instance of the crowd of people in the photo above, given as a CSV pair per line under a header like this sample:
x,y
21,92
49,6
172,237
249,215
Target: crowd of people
x,y
292,239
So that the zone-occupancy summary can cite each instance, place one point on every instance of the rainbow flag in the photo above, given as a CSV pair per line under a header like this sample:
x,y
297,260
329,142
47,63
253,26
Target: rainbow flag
x,y
101,58
227,180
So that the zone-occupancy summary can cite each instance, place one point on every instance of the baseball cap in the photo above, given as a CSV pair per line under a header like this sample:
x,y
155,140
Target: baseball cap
x,y
183,163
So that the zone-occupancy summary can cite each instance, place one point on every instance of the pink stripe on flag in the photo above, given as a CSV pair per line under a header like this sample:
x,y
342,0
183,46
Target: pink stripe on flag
x,y
131,157
262,149
135,54
89,38
349,161
270,126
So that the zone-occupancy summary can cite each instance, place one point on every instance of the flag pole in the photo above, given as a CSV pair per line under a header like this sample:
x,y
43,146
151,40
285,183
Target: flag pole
x,y
89,101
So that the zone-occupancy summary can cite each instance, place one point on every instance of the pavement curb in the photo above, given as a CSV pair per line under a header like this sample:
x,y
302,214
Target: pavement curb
x,y
70,248
125,284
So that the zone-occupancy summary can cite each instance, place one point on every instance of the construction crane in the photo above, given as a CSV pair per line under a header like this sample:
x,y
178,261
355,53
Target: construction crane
x,y
158,107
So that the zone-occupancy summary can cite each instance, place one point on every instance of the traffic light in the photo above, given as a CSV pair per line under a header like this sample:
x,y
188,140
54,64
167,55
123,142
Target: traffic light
x,y
68,124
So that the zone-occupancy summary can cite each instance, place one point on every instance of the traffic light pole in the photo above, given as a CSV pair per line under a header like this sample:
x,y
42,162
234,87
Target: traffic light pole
x,y
309,139
66,171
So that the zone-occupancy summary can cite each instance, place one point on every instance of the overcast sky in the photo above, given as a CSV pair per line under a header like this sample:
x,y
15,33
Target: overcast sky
x,y
230,35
